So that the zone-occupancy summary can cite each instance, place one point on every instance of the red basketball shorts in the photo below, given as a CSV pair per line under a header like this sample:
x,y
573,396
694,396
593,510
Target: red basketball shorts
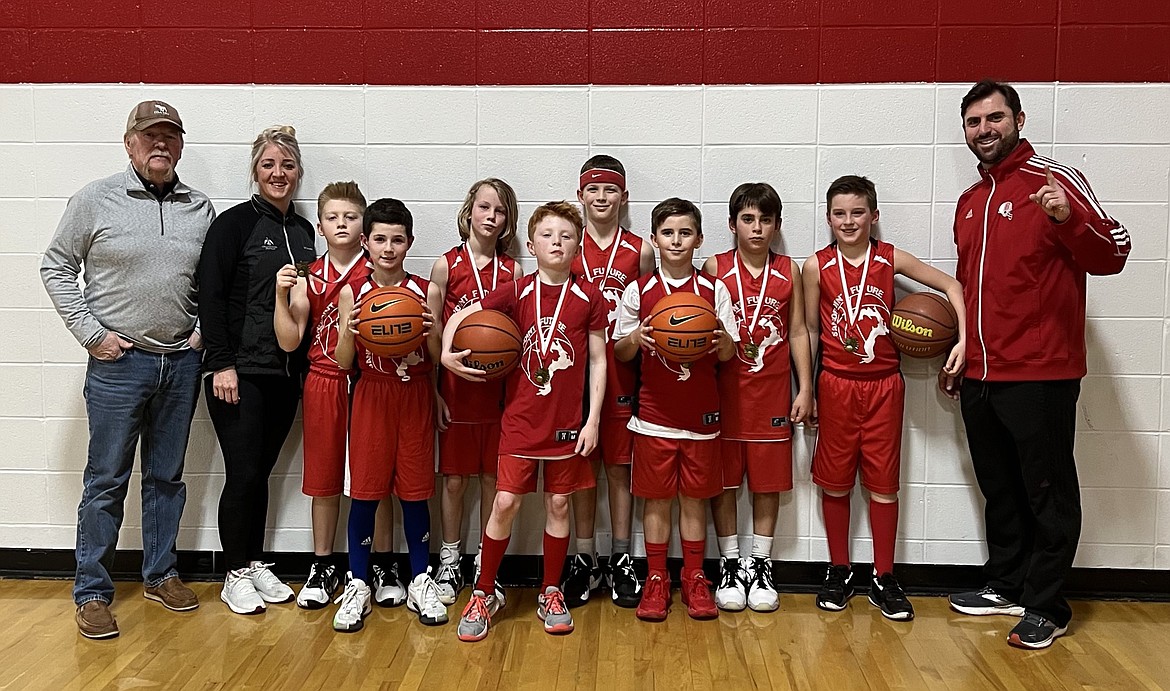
x,y
469,448
326,420
561,476
663,468
615,444
860,429
768,465
392,445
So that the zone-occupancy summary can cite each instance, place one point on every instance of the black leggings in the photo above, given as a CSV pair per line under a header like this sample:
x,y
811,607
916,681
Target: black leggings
x,y
251,434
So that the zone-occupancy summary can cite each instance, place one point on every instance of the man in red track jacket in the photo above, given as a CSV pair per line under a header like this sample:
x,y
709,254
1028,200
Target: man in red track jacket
x,y
1027,233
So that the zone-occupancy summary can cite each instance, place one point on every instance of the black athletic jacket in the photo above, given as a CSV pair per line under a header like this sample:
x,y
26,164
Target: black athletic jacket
x,y
245,247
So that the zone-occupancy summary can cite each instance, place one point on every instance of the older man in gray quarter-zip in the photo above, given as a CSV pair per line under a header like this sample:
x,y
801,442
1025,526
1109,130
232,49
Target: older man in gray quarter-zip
x,y
137,235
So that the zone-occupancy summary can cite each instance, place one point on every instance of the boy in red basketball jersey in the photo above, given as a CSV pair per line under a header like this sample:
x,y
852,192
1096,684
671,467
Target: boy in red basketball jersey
x,y
758,409
676,424
469,416
611,258
562,319
392,440
849,293
306,300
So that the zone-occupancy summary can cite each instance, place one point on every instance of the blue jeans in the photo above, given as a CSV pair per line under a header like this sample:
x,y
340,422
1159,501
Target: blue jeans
x,y
147,396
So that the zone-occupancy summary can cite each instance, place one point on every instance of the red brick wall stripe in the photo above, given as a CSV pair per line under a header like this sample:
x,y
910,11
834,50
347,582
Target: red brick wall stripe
x,y
583,41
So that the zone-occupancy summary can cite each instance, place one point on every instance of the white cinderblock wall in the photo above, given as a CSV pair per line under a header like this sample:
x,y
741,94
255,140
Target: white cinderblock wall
x,y
426,145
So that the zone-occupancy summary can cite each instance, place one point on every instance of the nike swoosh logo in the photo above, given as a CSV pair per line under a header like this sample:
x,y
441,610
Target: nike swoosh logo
x,y
594,176
379,306
675,321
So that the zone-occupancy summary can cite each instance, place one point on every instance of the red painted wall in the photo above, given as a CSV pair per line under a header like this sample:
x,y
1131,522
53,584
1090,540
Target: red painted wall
x,y
583,41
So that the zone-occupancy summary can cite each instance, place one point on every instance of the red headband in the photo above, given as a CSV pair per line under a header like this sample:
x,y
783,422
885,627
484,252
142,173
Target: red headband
x,y
595,176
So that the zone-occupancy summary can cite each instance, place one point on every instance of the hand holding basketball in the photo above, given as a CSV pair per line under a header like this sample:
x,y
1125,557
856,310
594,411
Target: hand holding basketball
x,y
644,336
286,279
453,360
1052,198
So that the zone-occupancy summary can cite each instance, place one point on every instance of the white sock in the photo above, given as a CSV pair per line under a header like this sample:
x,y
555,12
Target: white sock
x,y
449,552
729,547
762,546
585,546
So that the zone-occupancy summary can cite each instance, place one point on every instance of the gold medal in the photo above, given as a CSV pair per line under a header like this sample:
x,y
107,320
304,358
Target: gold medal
x,y
752,351
685,365
851,344
542,376
303,269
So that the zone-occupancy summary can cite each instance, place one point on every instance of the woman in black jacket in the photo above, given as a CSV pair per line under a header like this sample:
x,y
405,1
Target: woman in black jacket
x,y
252,386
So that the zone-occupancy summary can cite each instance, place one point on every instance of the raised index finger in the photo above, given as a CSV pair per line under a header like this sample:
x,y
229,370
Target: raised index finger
x,y
1048,176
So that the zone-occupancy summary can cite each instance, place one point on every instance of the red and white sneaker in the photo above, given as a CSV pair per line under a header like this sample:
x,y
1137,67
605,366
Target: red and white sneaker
x,y
696,595
477,617
552,610
655,598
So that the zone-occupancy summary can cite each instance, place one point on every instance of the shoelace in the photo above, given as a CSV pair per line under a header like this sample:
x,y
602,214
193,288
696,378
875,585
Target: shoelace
x,y
1035,619
554,603
349,599
698,587
430,597
655,588
317,577
262,572
446,573
763,577
728,577
476,609
891,588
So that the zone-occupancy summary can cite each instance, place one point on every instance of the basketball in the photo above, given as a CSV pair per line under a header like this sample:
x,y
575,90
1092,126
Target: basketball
x,y
391,321
494,342
684,326
923,325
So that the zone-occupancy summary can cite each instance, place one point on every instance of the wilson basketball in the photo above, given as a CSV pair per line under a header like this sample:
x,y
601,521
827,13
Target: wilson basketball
x,y
391,321
494,341
684,326
924,325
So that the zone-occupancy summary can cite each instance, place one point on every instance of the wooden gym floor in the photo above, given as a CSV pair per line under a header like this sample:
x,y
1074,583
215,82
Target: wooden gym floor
x,y
1111,644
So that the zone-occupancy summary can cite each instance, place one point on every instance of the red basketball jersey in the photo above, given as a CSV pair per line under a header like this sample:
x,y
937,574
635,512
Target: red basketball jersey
x,y
415,364
610,270
863,349
755,386
670,394
472,402
543,404
323,290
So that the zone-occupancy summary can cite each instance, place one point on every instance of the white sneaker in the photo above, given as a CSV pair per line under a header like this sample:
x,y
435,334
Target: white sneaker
x,y
270,588
355,606
319,587
388,588
240,595
730,594
449,580
761,591
422,597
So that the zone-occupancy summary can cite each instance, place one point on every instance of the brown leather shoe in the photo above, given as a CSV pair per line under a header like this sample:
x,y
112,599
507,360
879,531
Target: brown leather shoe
x,y
95,620
172,594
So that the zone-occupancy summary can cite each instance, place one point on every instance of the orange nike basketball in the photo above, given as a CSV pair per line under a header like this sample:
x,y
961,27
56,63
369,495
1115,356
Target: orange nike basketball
x,y
684,326
494,341
924,325
391,321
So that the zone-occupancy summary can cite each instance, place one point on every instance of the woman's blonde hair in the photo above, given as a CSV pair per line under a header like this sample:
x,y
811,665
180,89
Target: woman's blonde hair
x,y
283,137
507,236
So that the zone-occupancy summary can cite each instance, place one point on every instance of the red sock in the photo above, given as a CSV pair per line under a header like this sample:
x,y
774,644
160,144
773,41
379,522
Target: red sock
x,y
555,550
656,557
883,523
489,562
836,511
693,556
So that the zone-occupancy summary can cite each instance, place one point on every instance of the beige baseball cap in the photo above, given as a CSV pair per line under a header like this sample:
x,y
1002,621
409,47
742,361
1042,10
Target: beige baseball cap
x,y
150,113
